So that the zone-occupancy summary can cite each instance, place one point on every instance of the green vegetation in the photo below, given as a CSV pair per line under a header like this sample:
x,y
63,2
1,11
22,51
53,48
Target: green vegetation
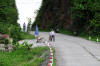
x,y
29,25
3,40
11,30
23,57
24,45
8,12
18,36
54,59
44,30
93,37
82,35
8,19
27,36
69,32
86,16
14,32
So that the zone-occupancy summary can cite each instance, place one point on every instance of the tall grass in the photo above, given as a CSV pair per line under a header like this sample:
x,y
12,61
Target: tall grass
x,y
82,35
27,36
23,57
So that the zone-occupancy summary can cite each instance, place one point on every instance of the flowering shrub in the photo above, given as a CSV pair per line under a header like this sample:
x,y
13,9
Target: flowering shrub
x,y
11,30
4,36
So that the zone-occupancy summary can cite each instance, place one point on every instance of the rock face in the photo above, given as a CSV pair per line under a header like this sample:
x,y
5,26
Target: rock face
x,y
54,14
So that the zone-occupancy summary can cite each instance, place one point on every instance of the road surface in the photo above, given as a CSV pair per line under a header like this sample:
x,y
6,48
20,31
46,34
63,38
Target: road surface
x,y
75,51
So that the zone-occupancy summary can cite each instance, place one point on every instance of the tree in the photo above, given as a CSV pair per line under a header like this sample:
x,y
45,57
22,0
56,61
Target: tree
x,y
29,25
85,15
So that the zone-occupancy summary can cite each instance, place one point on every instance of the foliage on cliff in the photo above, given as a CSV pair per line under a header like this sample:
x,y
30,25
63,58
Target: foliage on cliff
x,y
86,16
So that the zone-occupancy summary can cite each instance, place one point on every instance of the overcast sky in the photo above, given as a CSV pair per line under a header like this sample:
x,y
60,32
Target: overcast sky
x,y
26,9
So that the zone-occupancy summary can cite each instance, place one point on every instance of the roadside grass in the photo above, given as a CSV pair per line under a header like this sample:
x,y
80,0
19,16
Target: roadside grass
x,y
27,36
66,32
44,30
82,35
23,57
93,38
54,59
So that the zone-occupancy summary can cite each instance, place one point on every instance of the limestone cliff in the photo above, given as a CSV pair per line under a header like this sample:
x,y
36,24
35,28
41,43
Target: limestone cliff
x,y
54,14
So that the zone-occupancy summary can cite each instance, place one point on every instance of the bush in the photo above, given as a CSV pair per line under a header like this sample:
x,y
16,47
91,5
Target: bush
x,y
24,45
8,12
1,63
12,30
4,28
3,40
85,14
6,41
15,33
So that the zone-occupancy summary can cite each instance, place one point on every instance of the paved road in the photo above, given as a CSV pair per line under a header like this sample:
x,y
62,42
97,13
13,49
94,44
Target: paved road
x,y
74,51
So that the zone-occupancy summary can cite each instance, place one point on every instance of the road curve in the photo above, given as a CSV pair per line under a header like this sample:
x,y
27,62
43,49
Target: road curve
x,y
75,51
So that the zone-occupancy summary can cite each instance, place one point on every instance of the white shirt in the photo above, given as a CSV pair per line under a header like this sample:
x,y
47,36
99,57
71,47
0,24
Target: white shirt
x,y
52,33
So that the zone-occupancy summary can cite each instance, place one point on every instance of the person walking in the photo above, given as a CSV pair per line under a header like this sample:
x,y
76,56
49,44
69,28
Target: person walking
x,y
52,36
24,27
37,34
